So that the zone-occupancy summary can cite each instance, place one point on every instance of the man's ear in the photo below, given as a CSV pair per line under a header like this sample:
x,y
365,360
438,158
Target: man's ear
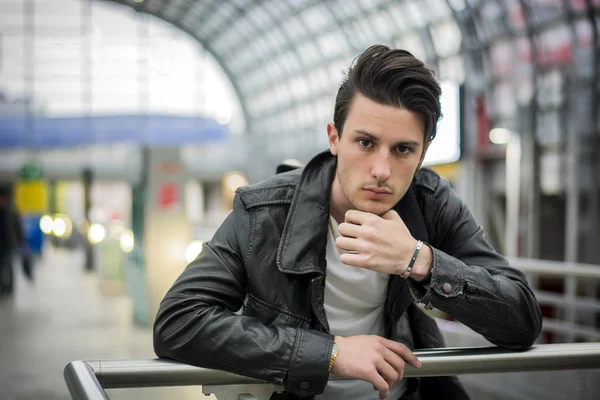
x,y
333,138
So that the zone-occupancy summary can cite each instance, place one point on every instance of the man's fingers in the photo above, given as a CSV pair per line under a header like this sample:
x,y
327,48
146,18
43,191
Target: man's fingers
x,y
403,352
349,230
379,384
358,217
357,260
395,361
350,244
389,373
391,215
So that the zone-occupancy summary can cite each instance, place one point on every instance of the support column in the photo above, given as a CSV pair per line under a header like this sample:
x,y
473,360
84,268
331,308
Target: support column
x,y
87,178
573,212
136,275
167,230
513,195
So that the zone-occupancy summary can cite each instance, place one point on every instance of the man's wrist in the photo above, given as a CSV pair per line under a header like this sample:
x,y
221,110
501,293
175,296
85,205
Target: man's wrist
x,y
407,271
422,265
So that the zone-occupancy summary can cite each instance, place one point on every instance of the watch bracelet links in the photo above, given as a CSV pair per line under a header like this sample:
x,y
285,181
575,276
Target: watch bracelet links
x,y
334,354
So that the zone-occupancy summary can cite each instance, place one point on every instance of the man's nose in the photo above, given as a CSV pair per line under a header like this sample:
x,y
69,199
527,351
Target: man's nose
x,y
381,168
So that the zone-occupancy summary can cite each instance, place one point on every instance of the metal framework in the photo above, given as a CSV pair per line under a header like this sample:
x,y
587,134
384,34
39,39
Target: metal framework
x,y
534,62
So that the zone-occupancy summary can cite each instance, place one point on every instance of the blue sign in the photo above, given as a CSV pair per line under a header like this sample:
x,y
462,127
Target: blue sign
x,y
153,130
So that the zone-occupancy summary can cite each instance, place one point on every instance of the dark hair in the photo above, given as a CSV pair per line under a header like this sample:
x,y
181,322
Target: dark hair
x,y
391,77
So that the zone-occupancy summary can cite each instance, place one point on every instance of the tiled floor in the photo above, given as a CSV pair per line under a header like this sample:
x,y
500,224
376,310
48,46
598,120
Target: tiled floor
x,y
63,317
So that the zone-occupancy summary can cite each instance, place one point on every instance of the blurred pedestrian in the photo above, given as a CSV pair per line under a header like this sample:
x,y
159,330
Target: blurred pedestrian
x,y
12,241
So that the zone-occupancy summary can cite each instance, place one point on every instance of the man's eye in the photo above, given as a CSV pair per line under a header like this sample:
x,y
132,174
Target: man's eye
x,y
403,150
365,143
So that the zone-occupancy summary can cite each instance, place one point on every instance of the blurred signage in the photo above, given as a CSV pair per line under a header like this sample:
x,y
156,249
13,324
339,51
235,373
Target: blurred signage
x,y
168,196
158,130
30,172
31,191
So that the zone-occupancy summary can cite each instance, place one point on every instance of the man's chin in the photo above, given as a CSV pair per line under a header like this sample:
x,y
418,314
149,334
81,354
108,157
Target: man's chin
x,y
374,207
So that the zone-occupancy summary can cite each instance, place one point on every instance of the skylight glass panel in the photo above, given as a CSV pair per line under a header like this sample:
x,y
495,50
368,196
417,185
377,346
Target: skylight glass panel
x,y
309,52
436,9
412,42
415,14
294,28
332,44
399,17
259,16
317,17
446,38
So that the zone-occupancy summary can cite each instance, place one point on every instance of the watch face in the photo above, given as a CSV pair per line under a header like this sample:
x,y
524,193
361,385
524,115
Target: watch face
x,y
335,348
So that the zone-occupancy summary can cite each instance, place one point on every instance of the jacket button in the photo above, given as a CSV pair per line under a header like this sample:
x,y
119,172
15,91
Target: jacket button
x,y
447,288
304,385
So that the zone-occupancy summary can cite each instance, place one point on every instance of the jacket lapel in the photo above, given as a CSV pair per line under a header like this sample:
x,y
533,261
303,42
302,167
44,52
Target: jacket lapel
x,y
304,235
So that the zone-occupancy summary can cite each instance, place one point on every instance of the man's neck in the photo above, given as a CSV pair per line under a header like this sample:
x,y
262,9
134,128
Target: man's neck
x,y
338,203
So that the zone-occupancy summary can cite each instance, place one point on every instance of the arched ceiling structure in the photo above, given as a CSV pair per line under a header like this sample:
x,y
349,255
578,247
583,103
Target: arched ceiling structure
x,y
289,55
285,57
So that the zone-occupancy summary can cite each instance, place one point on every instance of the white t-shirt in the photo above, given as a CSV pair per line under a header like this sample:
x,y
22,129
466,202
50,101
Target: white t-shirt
x,y
354,305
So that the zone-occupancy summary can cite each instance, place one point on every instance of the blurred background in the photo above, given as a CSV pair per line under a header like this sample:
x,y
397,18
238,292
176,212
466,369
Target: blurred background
x,y
126,126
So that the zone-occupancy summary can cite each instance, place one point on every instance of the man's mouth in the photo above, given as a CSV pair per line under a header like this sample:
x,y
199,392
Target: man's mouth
x,y
378,190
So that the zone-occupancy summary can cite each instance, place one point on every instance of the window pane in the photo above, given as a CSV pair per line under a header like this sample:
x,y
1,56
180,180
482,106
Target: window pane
x,y
446,38
317,17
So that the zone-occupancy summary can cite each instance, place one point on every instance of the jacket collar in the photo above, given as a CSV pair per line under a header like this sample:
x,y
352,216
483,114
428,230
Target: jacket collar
x,y
304,235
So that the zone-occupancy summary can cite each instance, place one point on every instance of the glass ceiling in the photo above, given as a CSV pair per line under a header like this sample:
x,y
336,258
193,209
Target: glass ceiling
x,y
284,59
82,58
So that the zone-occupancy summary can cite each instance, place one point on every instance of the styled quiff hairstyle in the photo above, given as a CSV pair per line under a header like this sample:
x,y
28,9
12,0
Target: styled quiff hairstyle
x,y
392,77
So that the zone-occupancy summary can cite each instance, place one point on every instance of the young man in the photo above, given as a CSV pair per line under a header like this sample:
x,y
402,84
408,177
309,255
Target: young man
x,y
329,260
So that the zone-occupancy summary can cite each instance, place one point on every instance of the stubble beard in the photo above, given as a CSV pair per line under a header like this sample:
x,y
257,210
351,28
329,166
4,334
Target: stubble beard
x,y
347,191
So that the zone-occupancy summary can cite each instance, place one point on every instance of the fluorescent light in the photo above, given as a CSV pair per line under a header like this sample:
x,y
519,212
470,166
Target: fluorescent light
x,y
500,135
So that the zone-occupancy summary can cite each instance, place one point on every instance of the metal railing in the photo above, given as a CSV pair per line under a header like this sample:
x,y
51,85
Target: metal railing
x,y
86,380
575,304
556,268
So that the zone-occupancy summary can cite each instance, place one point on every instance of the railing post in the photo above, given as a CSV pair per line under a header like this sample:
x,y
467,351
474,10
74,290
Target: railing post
x,y
82,382
250,391
570,309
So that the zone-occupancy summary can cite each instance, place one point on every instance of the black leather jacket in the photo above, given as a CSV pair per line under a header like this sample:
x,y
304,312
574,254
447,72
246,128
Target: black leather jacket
x,y
268,259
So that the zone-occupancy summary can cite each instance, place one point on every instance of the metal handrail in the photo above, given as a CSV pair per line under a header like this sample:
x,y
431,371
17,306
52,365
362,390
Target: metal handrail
x,y
555,268
570,303
86,380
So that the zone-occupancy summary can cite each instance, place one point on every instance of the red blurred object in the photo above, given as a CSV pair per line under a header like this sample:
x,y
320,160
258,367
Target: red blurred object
x,y
168,196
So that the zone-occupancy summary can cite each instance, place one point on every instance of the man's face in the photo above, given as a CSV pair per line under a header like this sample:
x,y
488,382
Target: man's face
x,y
380,149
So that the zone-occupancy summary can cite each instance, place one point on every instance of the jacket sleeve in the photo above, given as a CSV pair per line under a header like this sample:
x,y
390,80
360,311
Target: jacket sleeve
x,y
472,282
197,321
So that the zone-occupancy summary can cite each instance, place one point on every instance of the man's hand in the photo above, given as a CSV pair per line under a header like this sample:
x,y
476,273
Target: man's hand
x,y
373,359
382,244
